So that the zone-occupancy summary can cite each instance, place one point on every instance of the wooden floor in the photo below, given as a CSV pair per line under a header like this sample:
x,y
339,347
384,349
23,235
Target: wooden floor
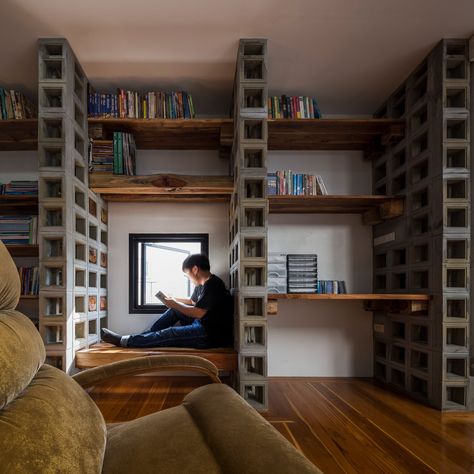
x,y
341,425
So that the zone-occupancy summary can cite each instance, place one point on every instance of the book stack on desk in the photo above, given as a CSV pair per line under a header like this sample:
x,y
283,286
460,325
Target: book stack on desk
x,y
302,273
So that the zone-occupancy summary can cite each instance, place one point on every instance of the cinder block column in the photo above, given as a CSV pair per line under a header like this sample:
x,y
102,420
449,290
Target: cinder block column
x,y
69,231
248,220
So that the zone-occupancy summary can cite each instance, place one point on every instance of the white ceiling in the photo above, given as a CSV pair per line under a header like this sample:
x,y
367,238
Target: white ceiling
x,y
349,53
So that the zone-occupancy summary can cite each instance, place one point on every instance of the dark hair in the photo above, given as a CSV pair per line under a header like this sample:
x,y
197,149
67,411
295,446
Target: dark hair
x,y
199,259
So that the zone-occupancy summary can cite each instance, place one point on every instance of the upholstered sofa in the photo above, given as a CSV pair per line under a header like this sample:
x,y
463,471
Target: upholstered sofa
x,y
49,424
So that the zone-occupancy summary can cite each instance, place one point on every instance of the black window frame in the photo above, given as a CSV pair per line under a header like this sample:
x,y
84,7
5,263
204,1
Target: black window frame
x,y
134,240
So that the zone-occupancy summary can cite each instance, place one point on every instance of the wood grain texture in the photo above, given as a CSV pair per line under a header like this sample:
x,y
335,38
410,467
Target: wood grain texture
x,y
342,425
387,207
160,184
18,135
214,134
103,353
171,134
331,134
17,250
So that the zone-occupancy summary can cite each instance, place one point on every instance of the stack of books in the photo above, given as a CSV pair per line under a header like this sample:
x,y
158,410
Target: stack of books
x,y
293,107
277,273
335,287
29,277
15,106
20,230
285,182
302,273
19,188
132,104
117,156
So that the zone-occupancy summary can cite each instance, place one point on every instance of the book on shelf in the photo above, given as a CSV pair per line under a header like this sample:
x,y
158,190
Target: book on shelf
x,y
19,188
117,156
18,230
293,107
333,287
286,182
15,106
132,104
29,278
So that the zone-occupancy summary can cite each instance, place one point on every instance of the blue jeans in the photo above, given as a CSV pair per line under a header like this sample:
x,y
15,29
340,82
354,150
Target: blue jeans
x,y
191,333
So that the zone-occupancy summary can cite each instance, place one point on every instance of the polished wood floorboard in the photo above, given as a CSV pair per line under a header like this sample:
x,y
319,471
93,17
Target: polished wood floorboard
x,y
342,425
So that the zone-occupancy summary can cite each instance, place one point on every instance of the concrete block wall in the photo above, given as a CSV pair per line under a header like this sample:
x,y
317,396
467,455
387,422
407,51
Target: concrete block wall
x,y
425,353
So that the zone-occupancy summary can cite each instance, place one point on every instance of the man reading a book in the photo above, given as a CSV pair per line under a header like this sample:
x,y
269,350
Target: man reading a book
x,y
205,320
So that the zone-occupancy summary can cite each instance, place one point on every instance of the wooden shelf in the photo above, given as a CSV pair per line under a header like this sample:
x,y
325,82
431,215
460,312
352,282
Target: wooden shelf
x,y
411,303
349,296
162,187
18,135
173,134
29,297
216,133
11,205
373,208
17,250
332,134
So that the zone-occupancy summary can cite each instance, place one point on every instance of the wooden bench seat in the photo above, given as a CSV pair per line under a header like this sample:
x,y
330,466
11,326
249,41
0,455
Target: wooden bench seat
x,y
225,359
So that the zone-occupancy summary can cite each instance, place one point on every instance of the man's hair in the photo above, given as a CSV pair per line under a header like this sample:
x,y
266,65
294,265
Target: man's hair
x,y
199,259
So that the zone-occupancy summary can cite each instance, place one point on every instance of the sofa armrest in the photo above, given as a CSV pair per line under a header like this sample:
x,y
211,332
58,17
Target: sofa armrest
x,y
147,364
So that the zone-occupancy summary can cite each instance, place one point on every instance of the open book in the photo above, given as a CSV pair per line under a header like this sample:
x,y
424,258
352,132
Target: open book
x,y
161,296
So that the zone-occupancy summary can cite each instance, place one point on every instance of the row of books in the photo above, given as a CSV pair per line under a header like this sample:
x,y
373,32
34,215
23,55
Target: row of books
x,y
285,182
15,106
132,104
293,107
19,188
117,156
336,287
29,278
21,230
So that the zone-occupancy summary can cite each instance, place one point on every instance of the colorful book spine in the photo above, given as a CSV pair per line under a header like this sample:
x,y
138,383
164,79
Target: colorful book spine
x,y
293,107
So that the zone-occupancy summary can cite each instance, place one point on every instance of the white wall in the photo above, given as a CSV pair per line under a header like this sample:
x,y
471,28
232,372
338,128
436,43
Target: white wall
x,y
18,165
324,338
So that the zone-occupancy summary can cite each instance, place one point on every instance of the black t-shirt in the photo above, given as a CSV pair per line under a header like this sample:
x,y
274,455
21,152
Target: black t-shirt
x,y
218,321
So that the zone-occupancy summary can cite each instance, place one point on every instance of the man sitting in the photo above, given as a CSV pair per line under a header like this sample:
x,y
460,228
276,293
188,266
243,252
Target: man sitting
x,y
206,319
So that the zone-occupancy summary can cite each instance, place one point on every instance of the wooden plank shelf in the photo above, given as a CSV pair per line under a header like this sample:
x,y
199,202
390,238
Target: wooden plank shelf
x,y
24,205
216,133
29,297
18,135
373,208
332,134
349,296
412,302
162,187
172,134
27,250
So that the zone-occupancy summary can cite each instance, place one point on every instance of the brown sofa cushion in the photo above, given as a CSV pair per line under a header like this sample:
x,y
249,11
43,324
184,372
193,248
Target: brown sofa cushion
x,y
241,440
166,442
22,354
10,286
52,426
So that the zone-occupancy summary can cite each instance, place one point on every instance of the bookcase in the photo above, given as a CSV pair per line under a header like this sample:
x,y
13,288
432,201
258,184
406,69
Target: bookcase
x,y
419,142
72,219
23,254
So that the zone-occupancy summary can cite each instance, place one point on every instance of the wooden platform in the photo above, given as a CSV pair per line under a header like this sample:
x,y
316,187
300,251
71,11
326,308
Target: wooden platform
x,y
102,353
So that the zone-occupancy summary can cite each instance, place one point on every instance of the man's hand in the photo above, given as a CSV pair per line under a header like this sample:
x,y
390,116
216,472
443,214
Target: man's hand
x,y
170,302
